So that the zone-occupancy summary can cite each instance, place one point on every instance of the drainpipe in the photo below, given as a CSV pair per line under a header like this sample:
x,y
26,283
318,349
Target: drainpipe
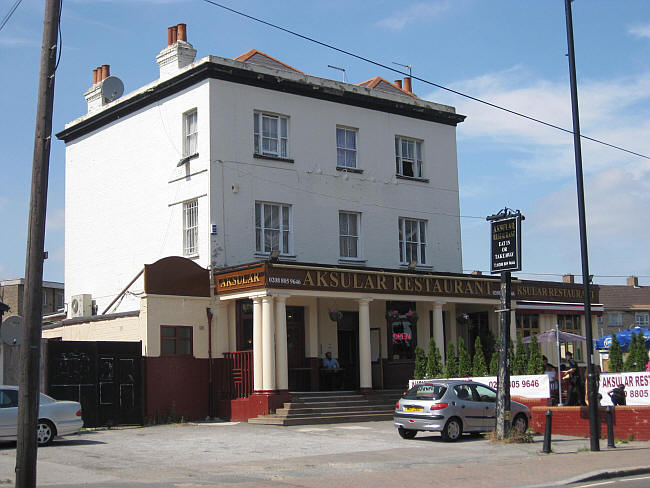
x,y
208,312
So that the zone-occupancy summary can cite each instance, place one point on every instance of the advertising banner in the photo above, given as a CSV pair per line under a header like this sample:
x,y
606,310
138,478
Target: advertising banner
x,y
529,386
637,387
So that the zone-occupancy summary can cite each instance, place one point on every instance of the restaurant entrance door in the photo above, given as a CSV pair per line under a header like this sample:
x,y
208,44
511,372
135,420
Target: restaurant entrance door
x,y
348,350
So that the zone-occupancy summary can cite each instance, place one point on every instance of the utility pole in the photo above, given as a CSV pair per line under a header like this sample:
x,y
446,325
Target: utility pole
x,y
30,351
592,389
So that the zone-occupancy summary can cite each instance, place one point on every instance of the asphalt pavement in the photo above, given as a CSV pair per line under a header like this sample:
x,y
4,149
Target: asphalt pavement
x,y
227,454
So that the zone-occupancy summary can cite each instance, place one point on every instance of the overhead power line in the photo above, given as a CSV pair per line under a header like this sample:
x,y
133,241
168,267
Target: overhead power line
x,y
456,92
10,13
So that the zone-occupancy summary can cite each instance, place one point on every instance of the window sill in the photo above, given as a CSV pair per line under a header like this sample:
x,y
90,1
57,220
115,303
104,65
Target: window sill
x,y
187,159
191,256
411,178
272,158
265,256
345,169
419,267
352,261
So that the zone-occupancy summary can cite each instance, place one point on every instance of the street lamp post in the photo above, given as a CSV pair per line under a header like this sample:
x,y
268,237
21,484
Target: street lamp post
x,y
592,390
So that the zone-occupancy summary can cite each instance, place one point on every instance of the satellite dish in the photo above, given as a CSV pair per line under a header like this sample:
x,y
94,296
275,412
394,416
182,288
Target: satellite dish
x,y
112,88
11,330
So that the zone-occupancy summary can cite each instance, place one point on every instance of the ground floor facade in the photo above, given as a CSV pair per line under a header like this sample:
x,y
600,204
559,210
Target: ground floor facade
x,y
264,328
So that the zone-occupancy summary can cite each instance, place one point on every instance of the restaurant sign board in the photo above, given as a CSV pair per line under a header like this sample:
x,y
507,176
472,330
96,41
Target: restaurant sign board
x,y
505,249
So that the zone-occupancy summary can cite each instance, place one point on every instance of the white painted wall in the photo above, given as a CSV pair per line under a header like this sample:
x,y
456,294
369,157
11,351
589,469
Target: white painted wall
x,y
124,191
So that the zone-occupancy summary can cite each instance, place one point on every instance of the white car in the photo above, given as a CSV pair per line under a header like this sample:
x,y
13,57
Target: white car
x,y
54,417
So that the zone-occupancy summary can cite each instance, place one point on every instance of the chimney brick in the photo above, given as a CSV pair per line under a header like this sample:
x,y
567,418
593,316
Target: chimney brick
x,y
632,281
568,278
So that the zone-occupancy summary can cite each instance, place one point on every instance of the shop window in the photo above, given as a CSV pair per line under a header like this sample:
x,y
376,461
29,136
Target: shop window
x,y
527,325
244,325
571,323
402,330
175,340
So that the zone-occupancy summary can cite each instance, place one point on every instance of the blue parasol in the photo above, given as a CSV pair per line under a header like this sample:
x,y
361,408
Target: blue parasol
x,y
624,338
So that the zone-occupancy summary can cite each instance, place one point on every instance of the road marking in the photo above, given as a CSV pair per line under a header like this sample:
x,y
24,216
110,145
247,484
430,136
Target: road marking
x,y
214,424
598,484
639,478
312,429
353,427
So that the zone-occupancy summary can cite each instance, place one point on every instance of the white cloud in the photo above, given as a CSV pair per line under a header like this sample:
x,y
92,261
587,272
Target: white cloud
x,y
640,30
55,220
608,111
416,12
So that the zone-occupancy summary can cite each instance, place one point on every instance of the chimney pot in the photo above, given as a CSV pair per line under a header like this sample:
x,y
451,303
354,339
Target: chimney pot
x,y
170,36
106,72
182,32
633,281
407,84
95,76
174,34
398,83
568,278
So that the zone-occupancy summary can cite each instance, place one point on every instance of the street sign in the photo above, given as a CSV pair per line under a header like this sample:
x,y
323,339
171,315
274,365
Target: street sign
x,y
505,251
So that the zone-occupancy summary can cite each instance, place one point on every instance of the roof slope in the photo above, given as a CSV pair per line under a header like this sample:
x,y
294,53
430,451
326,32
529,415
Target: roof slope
x,y
380,84
622,297
258,57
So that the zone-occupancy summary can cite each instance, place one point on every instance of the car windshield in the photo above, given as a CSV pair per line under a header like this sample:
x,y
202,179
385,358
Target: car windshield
x,y
426,392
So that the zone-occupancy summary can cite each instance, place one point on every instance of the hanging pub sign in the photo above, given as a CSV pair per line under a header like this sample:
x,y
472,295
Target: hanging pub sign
x,y
506,244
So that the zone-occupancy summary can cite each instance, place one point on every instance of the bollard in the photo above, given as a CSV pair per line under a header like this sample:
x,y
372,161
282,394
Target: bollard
x,y
547,432
610,427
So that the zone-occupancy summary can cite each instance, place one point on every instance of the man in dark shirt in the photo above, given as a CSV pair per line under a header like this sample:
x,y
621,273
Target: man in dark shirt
x,y
573,393
618,395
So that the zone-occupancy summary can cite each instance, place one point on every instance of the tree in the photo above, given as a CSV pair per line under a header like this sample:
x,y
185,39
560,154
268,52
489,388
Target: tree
x,y
535,365
520,358
464,361
615,356
630,360
420,364
479,367
434,363
494,364
451,363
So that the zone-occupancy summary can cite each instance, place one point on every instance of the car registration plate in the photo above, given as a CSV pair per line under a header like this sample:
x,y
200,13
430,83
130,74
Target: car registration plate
x,y
413,409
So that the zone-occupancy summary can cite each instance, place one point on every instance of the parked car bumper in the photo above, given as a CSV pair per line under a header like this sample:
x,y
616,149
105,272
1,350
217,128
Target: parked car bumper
x,y
67,427
433,423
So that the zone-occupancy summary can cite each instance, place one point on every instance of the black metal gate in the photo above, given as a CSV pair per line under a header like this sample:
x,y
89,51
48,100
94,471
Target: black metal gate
x,y
105,377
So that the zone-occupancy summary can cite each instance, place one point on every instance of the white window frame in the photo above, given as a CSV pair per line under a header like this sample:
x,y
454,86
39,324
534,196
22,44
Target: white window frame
x,y
191,227
615,319
641,319
279,136
407,246
408,154
346,145
264,230
190,134
349,235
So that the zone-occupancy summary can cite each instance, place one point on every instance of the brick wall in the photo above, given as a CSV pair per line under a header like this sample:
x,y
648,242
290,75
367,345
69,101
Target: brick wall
x,y
628,421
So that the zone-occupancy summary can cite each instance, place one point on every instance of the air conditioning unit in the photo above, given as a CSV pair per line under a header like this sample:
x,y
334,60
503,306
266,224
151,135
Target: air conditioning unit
x,y
81,305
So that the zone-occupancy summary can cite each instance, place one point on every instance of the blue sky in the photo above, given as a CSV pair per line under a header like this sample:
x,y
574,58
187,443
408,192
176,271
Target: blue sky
x,y
508,52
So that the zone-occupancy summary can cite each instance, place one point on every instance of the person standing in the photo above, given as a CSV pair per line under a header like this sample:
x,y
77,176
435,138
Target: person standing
x,y
573,371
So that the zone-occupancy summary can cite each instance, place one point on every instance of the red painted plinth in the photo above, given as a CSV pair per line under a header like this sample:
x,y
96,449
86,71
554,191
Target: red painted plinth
x,y
259,403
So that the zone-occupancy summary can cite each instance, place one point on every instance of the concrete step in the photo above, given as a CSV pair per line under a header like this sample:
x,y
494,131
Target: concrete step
x,y
337,409
335,419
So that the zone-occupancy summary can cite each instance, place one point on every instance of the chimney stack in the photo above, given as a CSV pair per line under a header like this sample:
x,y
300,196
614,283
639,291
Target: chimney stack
x,y
568,278
398,83
633,281
407,84
177,54
94,96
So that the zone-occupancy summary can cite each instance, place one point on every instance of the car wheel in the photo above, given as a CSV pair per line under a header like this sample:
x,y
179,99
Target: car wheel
x,y
520,424
406,434
45,432
453,430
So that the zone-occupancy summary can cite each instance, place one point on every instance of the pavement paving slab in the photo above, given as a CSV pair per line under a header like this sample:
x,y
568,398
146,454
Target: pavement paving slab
x,y
228,454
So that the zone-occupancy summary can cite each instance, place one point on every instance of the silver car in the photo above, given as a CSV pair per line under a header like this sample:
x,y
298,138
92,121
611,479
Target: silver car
x,y
54,417
452,407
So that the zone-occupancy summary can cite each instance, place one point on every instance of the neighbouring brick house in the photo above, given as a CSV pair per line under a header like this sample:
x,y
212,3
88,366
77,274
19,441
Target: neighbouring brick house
x,y
626,306
11,293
